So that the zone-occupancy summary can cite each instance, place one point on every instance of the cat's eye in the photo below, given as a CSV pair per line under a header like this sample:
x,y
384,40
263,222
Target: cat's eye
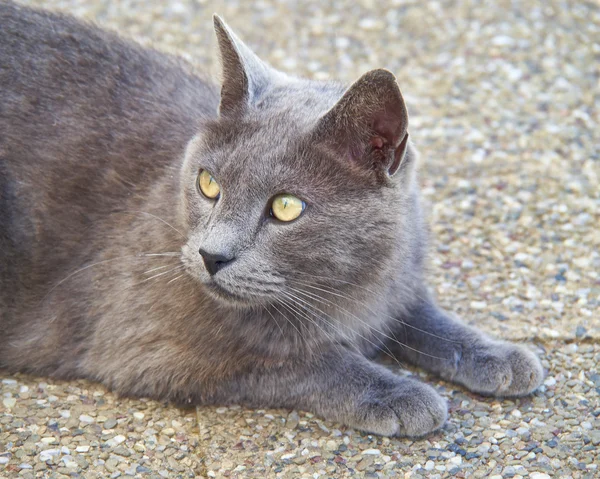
x,y
287,207
208,185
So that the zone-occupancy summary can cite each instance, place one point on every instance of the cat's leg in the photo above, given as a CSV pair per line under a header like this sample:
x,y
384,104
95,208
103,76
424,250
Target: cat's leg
x,y
430,338
344,387
338,385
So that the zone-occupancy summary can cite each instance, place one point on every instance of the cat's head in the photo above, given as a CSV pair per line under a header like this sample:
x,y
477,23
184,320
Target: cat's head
x,y
296,185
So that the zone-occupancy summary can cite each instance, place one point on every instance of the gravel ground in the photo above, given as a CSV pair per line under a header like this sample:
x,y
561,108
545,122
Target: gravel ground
x,y
504,109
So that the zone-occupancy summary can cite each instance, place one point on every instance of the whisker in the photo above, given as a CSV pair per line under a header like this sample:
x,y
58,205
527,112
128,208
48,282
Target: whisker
x,y
377,331
174,279
321,300
360,286
156,217
295,311
332,323
110,260
156,269
303,312
349,298
378,262
288,320
161,274
276,322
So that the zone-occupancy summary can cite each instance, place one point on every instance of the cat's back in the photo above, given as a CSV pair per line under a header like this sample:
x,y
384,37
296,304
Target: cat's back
x,y
88,121
55,69
77,100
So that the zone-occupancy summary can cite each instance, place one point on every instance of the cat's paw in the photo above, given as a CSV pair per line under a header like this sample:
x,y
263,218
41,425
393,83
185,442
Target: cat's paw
x,y
411,408
503,369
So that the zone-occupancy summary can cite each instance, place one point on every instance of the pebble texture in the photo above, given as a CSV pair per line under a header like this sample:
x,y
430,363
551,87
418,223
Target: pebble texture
x,y
503,98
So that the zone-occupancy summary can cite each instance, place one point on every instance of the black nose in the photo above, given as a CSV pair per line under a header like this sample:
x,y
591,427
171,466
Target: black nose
x,y
214,262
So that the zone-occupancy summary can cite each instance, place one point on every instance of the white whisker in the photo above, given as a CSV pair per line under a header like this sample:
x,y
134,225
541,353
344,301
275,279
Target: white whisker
x,y
161,274
288,320
332,323
156,217
276,322
110,260
174,279
303,312
337,293
319,298
156,269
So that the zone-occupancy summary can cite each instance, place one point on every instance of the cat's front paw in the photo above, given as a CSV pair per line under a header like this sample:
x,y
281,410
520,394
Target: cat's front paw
x,y
411,408
502,369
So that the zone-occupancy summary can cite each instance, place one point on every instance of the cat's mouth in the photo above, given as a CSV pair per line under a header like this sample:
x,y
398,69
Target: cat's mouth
x,y
225,294
230,289
221,292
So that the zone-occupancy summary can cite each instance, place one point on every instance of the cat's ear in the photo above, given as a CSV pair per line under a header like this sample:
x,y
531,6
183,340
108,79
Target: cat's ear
x,y
369,124
245,75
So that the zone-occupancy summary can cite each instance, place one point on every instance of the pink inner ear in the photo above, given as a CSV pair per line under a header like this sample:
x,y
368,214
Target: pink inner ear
x,y
388,126
377,142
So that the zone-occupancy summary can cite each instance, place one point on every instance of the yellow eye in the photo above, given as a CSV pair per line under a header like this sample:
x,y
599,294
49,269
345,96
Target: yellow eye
x,y
287,207
207,184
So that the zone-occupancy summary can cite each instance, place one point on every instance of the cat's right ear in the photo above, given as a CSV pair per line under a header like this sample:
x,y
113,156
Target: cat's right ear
x,y
369,125
245,75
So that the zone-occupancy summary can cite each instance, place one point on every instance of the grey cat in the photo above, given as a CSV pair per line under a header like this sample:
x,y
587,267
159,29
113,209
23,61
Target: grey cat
x,y
257,246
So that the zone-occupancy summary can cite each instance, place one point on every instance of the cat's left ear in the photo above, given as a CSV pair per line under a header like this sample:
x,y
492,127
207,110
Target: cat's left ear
x,y
369,124
245,75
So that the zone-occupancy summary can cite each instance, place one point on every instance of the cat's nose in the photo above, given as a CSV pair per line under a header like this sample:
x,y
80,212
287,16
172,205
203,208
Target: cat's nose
x,y
214,261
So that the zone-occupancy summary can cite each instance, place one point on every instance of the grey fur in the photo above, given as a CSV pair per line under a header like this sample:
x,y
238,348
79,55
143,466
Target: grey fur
x,y
101,142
